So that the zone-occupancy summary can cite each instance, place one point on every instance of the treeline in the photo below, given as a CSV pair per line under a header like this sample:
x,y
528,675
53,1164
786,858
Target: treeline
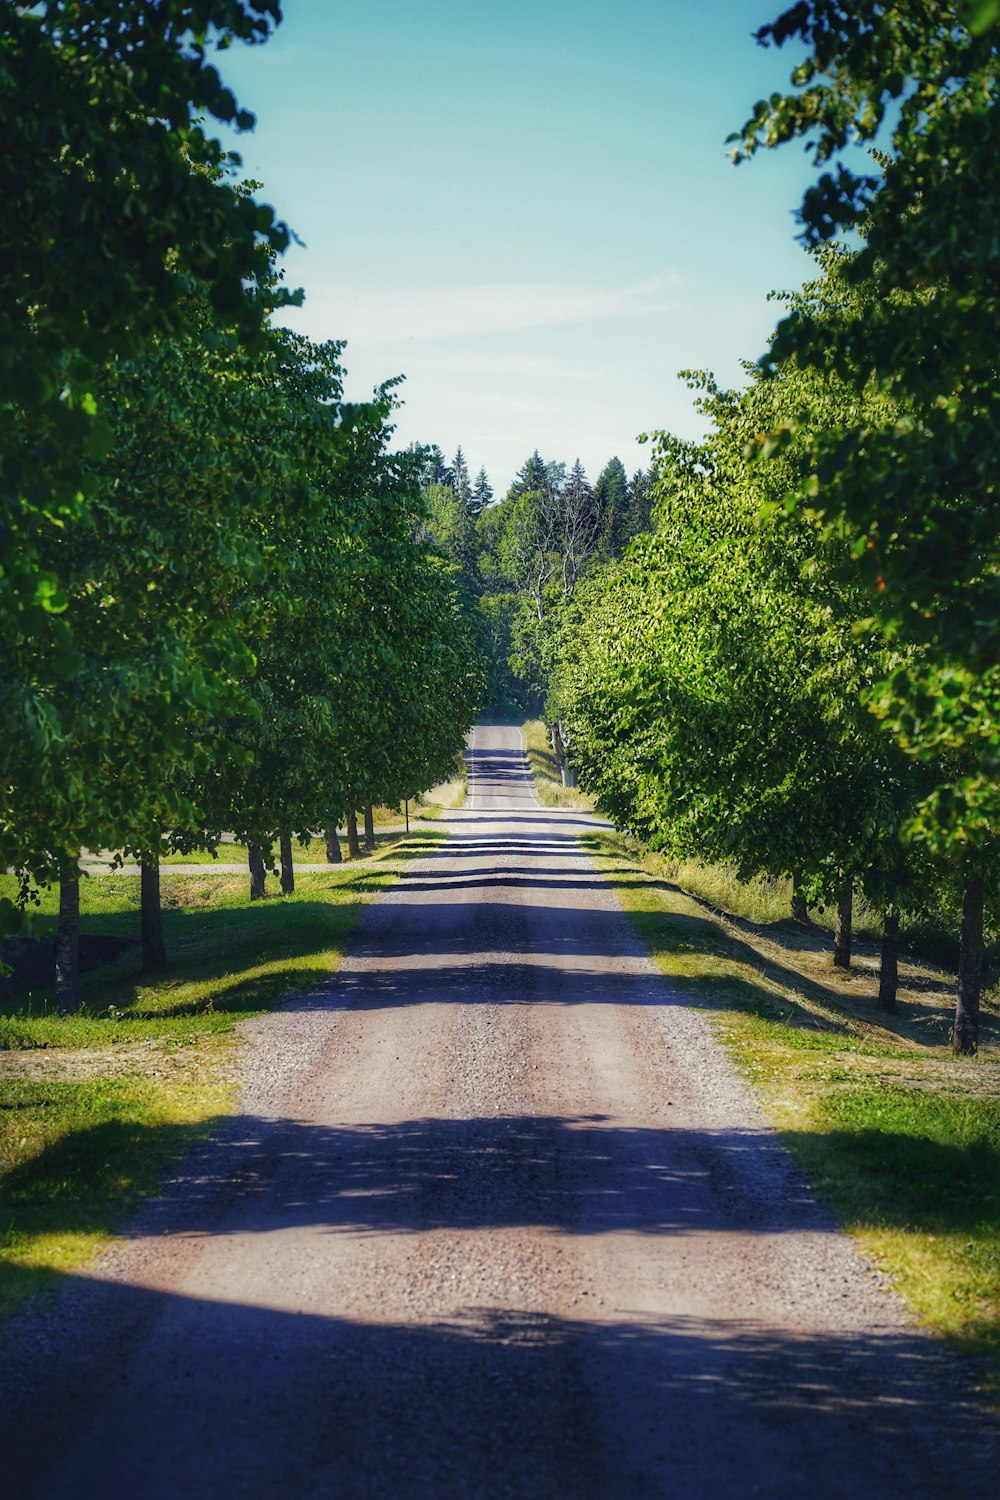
x,y
220,609
798,669
521,557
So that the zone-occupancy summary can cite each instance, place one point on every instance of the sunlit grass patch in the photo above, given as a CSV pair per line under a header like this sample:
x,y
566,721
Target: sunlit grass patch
x,y
544,770
78,1154
443,798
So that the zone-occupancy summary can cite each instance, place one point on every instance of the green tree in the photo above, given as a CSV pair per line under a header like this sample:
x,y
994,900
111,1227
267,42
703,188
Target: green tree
x,y
451,525
611,500
460,482
915,501
482,493
124,212
713,681
535,476
640,492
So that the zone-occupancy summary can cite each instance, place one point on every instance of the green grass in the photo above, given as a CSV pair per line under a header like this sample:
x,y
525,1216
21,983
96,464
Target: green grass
x,y
95,1106
77,1156
443,798
900,1139
548,783
228,957
759,900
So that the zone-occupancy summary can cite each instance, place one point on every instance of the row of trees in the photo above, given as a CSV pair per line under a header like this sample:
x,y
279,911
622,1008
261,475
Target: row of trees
x,y
797,670
221,610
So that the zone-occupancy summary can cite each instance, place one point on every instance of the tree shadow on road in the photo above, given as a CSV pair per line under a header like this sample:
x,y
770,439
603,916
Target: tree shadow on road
x,y
496,1402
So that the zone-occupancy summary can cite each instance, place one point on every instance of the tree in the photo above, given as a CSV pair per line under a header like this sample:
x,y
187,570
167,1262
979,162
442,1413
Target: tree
x,y
450,524
482,493
915,501
460,479
124,213
369,674
160,574
611,500
640,491
527,550
534,475
433,469
712,682
578,523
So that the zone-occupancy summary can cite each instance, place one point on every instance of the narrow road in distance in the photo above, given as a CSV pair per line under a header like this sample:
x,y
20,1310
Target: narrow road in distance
x,y
497,1220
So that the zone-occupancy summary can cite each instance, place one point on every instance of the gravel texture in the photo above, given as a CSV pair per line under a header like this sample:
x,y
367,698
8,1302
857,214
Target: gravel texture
x,y
496,1219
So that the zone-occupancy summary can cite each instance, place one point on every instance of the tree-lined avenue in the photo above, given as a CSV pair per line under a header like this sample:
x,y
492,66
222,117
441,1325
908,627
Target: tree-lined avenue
x,y
497,1219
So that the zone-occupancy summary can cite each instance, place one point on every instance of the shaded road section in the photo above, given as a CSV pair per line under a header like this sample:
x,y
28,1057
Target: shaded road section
x,y
497,1220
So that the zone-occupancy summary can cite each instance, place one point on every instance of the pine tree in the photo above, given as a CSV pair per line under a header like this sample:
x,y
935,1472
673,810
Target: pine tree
x,y
640,502
611,504
578,524
460,478
482,493
433,469
531,476
555,477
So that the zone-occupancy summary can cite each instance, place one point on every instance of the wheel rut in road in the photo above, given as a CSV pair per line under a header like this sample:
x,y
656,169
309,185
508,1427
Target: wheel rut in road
x,y
497,1219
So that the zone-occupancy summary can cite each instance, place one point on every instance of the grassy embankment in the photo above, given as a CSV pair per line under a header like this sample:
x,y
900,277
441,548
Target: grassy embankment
x,y
95,1107
443,798
548,784
901,1140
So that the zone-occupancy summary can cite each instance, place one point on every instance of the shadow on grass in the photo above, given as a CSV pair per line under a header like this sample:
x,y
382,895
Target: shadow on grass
x,y
544,761
87,1182
716,935
251,957
214,940
911,1180
679,933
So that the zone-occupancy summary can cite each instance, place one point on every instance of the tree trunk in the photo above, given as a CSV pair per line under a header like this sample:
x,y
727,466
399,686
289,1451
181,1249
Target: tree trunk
x,y
844,935
558,749
257,872
567,774
333,854
369,828
353,847
799,911
287,868
965,1034
154,951
888,974
68,946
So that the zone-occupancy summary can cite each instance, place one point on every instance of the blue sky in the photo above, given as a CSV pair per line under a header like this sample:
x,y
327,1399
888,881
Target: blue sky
x,y
526,209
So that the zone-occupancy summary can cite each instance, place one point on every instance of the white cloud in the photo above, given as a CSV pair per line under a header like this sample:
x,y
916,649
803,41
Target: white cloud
x,y
397,315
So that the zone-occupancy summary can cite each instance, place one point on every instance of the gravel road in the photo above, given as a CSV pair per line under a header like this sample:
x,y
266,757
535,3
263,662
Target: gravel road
x,y
497,1219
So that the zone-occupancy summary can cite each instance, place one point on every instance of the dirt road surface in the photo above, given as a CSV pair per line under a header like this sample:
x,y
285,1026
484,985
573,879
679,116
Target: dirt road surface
x,y
497,1220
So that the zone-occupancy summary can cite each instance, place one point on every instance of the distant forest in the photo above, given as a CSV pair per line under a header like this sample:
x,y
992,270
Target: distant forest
x,y
520,558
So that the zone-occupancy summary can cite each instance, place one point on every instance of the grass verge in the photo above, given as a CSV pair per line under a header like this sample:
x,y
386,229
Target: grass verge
x,y
548,782
900,1139
443,798
95,1107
